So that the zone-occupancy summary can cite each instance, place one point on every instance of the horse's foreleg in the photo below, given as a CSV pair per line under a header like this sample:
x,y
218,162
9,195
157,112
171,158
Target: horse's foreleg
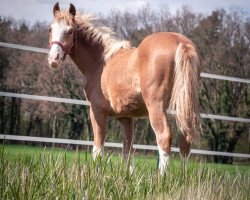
x,y
98,121
127,132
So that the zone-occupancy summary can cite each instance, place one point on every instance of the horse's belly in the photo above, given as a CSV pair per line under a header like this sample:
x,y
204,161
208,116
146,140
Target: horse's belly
x,y
128,104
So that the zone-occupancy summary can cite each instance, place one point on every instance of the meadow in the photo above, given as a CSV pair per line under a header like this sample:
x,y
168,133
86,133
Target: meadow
x,y
54,173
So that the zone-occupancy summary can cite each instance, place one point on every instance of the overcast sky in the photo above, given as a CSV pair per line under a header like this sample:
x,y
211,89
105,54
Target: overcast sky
x,y
41,10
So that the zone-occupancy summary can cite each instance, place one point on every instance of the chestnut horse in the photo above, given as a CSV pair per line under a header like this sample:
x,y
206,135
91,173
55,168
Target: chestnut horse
x,y
125,82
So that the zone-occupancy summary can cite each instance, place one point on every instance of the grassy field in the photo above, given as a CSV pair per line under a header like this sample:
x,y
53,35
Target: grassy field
x,y
39,173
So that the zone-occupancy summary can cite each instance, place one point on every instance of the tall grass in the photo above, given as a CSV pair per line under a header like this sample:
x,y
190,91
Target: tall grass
x,y
50,176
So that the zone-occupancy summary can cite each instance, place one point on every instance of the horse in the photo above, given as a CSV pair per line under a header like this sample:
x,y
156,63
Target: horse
x,y
127,82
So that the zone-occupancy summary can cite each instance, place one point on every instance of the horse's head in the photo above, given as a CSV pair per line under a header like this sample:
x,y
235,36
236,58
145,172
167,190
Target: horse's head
x,y
62,35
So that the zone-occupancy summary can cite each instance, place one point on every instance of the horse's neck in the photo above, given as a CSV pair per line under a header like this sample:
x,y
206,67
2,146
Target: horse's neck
x,y
87,58
89,61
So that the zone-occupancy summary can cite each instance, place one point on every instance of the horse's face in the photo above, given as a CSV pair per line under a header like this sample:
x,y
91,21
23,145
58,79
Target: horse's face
x,y
62,35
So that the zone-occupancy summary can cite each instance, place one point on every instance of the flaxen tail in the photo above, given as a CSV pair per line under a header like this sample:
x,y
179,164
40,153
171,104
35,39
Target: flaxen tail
x,y
184,99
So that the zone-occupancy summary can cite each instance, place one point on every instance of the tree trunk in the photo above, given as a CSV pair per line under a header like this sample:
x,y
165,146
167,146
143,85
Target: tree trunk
x,y
249,141
18,115
12,116
30,125
54,128
3,120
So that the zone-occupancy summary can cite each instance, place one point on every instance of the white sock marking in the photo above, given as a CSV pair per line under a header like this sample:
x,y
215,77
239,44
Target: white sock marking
x,y
163,160
97,151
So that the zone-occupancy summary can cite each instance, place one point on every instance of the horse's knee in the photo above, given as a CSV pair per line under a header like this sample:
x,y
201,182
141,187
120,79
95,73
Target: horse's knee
x,y
185,146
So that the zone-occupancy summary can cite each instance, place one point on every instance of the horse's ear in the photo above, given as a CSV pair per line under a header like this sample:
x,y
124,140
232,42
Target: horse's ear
x,y
56,8
72,10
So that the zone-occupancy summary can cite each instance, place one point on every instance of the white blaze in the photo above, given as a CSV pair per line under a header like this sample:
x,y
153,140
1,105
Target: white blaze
x,y
58,31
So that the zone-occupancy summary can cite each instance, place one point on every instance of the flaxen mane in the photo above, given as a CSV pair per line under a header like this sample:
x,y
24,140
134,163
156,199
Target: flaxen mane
x,y
95,30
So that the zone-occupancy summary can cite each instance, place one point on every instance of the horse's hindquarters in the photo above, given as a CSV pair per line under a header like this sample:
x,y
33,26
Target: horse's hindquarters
x,y
157,66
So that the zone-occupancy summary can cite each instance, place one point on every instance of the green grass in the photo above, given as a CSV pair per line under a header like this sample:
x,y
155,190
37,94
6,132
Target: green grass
x,y
38,173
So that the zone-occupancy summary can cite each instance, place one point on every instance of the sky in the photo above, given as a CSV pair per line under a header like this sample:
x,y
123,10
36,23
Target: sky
x,y
41,10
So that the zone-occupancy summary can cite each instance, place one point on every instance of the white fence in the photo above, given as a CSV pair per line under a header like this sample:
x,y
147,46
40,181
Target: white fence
x,y
85,103
117,145
42,50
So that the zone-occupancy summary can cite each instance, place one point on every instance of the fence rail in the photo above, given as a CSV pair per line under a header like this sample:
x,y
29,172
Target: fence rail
x,y
82,102
43,50
115,145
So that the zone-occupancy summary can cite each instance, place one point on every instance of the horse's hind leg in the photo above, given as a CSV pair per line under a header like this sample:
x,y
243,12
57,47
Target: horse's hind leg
x,y
127,132
156,104
185,146
158,120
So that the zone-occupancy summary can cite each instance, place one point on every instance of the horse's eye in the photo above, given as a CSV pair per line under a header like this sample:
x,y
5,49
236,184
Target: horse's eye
x,y
70,31
50,30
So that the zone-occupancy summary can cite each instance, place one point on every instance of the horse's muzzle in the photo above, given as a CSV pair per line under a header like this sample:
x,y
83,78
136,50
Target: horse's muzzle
x,y
53,63
54,60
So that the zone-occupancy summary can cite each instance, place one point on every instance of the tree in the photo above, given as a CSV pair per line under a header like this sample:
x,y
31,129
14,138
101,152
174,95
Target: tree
x,y
224,50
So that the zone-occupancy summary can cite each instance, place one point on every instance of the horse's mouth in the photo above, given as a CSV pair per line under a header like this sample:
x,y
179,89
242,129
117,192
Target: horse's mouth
x,y
54,64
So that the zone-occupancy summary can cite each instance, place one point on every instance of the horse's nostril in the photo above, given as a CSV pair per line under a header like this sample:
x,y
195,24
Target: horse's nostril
x,y
57,56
